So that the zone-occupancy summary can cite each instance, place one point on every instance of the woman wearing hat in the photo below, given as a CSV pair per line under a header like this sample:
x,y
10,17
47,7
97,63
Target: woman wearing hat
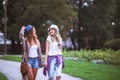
x,y
53,59
33,51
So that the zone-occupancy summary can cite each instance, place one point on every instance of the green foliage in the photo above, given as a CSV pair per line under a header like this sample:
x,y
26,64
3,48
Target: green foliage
x,y
117,20
95,19
108,55
2,77
38,13
88,71
113,44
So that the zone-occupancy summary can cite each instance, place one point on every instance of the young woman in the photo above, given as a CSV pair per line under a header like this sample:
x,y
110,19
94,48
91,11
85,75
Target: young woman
x,y
53,59
33,51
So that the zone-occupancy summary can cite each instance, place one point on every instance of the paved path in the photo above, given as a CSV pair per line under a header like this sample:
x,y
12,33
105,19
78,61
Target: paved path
x,y
12,71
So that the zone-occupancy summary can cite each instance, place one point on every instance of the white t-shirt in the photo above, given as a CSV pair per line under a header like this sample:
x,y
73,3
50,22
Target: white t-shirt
x,y
53,47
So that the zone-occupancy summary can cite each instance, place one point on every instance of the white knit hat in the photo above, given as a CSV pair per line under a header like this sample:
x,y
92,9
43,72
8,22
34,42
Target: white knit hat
x,y
54,26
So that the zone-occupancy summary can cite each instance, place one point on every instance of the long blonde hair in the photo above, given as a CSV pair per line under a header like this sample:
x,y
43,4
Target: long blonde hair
x,y
57,35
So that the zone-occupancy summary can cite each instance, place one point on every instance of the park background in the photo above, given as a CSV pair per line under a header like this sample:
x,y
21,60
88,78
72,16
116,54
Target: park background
x,y
90,30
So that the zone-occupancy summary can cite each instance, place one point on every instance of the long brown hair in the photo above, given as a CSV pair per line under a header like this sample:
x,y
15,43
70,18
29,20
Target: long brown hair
x,y
29,37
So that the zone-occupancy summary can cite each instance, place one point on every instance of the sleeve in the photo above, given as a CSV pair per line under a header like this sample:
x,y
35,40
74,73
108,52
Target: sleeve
x,y
21,32
21,35
48,39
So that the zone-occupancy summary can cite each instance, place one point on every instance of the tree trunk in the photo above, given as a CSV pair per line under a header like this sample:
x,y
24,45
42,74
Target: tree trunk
x,y
80,25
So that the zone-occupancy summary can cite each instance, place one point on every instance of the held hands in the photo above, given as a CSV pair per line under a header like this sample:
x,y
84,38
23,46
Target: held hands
x,y
41,64
45,64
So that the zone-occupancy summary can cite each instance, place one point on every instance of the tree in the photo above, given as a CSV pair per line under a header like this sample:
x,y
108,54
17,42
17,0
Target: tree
x,y
38,13
94,20
100,27
117,20
1,16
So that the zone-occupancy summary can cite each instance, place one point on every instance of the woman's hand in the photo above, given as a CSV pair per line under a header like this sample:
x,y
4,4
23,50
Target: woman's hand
x,y
22,29
45,64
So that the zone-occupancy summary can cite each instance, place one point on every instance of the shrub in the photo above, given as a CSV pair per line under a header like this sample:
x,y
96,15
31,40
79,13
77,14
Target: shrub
x,y
113,44
108,55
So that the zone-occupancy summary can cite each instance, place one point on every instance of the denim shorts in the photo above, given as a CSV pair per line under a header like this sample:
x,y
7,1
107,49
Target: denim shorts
x,y
33,62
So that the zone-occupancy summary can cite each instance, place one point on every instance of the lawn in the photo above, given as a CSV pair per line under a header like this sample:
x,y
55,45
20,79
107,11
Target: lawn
x,y
88,71
11,58
85,70
2,77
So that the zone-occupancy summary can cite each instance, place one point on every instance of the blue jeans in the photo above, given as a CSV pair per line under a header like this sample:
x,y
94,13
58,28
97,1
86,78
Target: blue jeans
x,y
33,62
54,69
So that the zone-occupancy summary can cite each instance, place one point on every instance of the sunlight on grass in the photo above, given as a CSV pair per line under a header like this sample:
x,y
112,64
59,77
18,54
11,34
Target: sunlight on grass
x,y
2,77
11,58
89,71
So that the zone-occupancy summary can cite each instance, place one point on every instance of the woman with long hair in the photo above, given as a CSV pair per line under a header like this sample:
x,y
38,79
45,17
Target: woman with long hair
x,y
33,52
53,58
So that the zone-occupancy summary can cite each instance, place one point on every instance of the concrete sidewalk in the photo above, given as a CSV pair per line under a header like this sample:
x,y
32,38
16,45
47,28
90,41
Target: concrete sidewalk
x,y
12,71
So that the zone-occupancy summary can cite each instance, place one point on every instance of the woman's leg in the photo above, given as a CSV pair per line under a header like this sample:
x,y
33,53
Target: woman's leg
x,y
58,77
58,71
51,71
24,77
51,78
30,74
30,71
35,70
35,67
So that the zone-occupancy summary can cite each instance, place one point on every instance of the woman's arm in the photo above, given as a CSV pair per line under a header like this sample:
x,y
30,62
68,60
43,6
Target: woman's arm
x,y
22,38
39,48
21,33
60,44
46,51
26,50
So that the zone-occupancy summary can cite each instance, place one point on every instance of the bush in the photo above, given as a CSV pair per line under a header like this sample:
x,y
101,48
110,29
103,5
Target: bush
x,y
108,55
113,44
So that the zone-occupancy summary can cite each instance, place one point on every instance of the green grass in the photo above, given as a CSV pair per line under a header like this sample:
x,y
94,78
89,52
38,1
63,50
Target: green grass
x,y
88,71
85,70
2,77
11,58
